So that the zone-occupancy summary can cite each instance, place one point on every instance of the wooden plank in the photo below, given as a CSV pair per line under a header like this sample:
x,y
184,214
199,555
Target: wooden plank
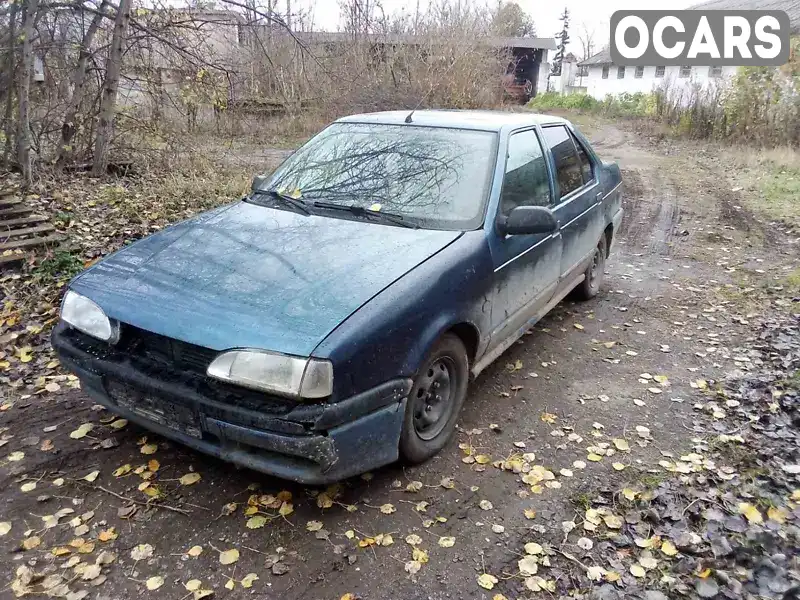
x,y
9,202
19,210
11,259
32,242
22,221
26,231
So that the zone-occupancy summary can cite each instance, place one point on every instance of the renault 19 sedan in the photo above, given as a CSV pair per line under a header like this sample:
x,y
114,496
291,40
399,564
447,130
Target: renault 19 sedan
x,y
330,321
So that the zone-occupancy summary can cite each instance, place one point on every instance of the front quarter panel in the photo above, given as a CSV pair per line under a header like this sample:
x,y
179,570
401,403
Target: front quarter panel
x,y
390,335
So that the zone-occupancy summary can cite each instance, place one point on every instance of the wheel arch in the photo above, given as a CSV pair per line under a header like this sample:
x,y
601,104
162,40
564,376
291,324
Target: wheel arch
x,y
464,329
608,236
469,336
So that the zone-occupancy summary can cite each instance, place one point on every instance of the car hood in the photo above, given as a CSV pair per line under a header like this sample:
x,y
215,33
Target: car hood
x,y
250,276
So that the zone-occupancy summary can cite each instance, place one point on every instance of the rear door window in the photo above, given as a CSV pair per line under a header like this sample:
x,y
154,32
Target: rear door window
x,y
569,171
526,182
586,162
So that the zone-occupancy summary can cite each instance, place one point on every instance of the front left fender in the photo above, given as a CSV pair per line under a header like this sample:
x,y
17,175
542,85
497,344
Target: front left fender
x,y
390,335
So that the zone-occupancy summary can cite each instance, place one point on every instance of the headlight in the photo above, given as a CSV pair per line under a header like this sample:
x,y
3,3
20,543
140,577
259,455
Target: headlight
x,y
277,373
86,316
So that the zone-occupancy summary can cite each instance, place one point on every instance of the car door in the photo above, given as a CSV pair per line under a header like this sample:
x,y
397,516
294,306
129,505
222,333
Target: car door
x,y
526,267
578,205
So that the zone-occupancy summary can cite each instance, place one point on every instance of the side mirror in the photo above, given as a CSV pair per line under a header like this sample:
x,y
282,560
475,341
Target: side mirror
x,y
258,183
526,220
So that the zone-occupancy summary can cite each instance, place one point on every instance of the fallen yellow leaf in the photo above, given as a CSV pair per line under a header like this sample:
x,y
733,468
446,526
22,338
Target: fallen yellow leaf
x,y
750,513
487,581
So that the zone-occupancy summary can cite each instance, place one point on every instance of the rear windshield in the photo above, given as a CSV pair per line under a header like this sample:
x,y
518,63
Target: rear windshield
x,y
434,177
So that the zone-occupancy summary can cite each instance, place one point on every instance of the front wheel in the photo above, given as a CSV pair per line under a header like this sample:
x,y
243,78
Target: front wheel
x,y
593,277
435,400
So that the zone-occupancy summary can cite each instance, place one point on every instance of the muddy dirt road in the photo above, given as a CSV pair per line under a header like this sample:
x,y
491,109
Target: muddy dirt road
x,y
622,367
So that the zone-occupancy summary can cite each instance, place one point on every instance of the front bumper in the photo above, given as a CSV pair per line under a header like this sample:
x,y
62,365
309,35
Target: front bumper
x,y
309,443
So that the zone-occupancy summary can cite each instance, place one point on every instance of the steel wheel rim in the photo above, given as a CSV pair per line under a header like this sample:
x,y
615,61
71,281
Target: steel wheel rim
x,y
433,398
596,260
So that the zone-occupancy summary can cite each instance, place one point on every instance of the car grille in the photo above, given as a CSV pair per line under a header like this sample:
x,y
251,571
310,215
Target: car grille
x,y
159,348
169,360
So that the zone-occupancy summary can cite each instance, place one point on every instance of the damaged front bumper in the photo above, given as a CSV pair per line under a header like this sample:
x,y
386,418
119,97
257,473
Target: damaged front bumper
x,y
312,443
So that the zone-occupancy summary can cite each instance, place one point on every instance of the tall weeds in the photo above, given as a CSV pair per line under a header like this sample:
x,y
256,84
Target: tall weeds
x,y
759,106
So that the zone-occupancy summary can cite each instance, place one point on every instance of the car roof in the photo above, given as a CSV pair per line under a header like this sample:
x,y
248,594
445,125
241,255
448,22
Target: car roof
x,y
484,120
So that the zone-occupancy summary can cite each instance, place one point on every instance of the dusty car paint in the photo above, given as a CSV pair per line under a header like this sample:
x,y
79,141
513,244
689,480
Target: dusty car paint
x,y
257,277
371,298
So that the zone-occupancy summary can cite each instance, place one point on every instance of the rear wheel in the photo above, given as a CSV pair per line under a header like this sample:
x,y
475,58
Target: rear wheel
x,y
593,277
435,400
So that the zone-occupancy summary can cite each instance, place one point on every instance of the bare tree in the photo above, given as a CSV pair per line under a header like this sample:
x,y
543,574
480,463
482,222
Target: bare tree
x,y
247,64
586,37
24,90
105,123
10,69
78,80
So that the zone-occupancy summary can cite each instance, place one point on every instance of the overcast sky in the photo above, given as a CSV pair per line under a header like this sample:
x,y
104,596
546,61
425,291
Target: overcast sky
x,y
594,13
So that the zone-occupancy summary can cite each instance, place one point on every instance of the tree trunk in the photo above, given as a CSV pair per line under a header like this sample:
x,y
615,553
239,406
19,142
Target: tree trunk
x,y
10,69
23,91
78,81
105,123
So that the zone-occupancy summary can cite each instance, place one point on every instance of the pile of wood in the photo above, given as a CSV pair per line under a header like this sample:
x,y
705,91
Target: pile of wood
x,y
22,231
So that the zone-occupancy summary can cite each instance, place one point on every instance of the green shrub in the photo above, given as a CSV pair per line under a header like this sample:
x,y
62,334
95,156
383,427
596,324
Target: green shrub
x,y
621,105
554,100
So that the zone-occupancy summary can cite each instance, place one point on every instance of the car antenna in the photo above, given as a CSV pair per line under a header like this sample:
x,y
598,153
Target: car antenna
x,y
421,100
428,93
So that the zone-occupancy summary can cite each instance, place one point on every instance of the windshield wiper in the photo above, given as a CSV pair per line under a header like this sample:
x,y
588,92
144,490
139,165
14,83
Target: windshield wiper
x,y
286,199
363,212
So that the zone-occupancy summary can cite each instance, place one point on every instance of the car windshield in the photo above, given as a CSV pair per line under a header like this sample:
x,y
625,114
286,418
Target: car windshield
x,y
430,176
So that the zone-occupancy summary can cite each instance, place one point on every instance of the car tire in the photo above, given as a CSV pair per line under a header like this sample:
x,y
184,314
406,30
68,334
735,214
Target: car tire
x,y
593,276
435,400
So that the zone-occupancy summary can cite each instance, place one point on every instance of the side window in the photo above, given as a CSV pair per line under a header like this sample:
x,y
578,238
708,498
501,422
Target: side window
x,y
526,182
586,162
568,165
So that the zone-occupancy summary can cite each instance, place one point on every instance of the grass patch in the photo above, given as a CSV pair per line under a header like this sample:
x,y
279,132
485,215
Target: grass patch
x,y
771,177
581,500
62,218
793,382
742,296
792,281
62,265
650,481
780,189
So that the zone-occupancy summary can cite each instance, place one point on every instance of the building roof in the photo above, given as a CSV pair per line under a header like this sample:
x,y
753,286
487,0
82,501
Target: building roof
x,y
790,7
601,58
484,120
330,37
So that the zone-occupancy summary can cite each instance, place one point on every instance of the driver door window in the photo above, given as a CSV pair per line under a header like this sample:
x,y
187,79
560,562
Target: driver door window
x,y
526,182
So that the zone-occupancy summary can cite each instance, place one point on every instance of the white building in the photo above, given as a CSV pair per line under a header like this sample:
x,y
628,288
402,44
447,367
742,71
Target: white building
x,y
568,81
601,77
